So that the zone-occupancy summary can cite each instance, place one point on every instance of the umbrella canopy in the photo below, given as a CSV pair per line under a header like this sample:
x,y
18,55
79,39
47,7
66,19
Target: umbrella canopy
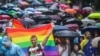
x,y
2,12
4,16
64,6
3,21
20,13
77,8
98,25
41,8
23,3
10,5
36,3
94,16
44,22
91,29
72,26
73,21
12,13
17,8
43,17
70,11
27,22
60,28
95,41
55,17
37,13
54,6
88,8
48,13
66,33
87,21
38,25
30,9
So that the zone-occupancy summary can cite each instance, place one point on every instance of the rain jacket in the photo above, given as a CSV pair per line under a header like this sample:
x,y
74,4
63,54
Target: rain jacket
x,y
12,50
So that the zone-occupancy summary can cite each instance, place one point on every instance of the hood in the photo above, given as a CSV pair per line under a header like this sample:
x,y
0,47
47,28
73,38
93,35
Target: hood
x,y
6,41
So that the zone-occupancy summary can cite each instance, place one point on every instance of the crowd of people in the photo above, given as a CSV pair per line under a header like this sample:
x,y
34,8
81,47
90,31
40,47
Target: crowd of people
x,y
30,16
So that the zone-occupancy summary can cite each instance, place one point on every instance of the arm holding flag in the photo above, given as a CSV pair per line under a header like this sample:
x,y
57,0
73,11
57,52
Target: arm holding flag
x,y
47,36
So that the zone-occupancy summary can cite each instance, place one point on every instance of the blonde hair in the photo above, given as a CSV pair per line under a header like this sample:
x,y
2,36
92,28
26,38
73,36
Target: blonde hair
x,y
33,36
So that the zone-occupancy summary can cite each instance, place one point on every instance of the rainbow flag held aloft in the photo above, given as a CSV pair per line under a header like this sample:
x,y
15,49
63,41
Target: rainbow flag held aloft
x,y
21,37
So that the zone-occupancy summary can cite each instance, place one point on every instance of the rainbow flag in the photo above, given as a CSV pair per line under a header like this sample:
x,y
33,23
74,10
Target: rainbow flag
x,y
21,37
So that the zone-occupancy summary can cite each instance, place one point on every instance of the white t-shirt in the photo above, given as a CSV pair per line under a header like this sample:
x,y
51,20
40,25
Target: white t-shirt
x,y
36,51
65,53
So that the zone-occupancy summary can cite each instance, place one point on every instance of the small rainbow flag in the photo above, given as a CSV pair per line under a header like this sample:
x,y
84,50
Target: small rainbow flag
x,y
21,37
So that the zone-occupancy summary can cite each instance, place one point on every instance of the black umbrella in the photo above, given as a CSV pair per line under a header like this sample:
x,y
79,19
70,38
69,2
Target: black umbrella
x,y
3,22
36,3
66,33
60,28
49,13
42,19
91,29
74,21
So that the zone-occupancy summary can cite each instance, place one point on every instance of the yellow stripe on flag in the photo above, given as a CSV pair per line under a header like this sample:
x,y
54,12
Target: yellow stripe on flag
x,y
27,38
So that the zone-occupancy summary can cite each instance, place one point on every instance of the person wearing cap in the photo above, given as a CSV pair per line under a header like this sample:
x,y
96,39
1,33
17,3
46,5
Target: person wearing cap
x,y
11,48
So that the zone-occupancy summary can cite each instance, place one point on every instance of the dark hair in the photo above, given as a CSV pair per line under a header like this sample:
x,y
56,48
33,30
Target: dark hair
x,y
78,47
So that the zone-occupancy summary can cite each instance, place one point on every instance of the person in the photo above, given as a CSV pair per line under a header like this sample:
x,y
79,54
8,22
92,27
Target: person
x,y
86,45
11,49
37,49
76,51
64,47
